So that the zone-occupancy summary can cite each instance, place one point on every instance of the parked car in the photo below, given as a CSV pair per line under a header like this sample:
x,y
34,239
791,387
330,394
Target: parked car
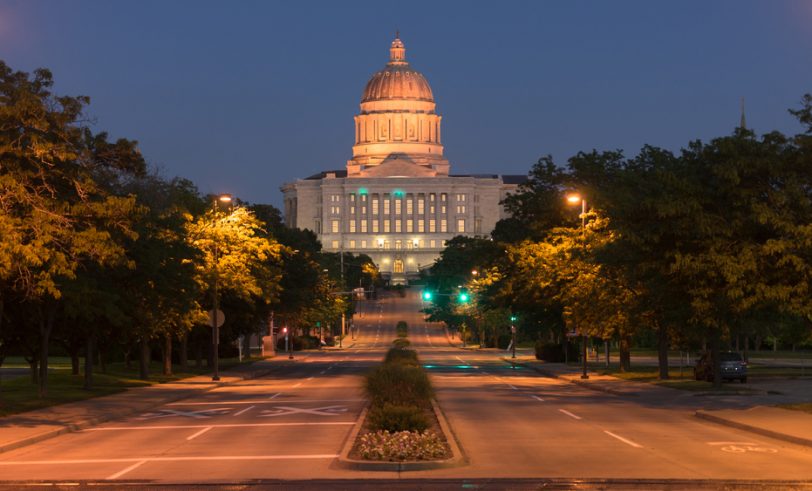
x,y
733,367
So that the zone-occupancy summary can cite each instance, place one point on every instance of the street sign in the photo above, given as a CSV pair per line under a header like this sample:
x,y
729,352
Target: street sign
x,y
221,318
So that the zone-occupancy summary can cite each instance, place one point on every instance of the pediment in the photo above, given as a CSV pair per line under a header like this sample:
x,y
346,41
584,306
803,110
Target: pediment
x,y
398,165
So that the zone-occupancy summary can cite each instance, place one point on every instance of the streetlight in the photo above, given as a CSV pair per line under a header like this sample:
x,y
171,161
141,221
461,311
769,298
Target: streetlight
x,y
513,334
217,318
574,199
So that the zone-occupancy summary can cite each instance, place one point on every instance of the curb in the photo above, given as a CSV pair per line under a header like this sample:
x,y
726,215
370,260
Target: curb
x,y
81,425
457,457
702,414
585,385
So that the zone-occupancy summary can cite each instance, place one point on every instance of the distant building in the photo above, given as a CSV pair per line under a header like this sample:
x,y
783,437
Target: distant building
x,y
396,200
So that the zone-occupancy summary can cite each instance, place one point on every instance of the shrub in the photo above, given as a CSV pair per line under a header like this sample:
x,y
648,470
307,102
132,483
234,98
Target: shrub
x,y
398,384
554,353
397,418
401,343
401,355
402,329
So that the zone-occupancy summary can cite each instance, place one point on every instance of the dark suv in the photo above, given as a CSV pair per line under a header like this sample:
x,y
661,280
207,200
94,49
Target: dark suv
x,y
733,367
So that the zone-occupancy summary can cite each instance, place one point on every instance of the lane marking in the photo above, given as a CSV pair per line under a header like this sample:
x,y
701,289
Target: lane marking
x,y
537,398
244,410
261,401
310,378
316,411
511,386
167,459
322,372
192,437
124,471
627,442
297,385
275,395
569,414
235,425
202,414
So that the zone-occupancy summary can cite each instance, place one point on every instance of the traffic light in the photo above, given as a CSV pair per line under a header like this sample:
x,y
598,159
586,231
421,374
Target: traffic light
x,y
463,297
512,318
427,296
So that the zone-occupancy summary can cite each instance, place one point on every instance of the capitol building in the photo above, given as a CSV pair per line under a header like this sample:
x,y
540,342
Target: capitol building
x,y
396,200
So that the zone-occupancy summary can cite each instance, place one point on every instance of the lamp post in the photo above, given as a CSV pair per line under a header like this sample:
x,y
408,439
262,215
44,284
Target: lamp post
x,y
513,334
574,199
217,318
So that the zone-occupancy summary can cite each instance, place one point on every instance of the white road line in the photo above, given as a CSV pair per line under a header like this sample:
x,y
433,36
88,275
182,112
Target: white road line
x,y
309,378
168,459
297,385
192,437
537,398
512,387
244,410
569,414
235,425
627,442
128,469
457,357
275,395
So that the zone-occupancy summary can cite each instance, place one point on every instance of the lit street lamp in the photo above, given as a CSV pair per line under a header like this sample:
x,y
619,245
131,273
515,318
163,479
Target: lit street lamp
x,y
574,199
217,318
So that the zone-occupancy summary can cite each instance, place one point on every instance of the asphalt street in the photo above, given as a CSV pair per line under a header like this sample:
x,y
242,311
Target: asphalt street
x,y
510,422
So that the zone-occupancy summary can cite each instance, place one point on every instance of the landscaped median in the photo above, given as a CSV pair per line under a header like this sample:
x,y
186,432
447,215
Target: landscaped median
x,y
403,427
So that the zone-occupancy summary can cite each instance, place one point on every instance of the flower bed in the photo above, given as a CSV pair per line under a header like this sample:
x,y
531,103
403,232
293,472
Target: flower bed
x,y
402,446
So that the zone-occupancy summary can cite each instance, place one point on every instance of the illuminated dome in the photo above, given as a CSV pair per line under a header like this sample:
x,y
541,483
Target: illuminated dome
x,y
397,80
397,117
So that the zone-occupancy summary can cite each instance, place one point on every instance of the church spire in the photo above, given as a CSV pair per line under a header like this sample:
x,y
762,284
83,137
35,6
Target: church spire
x,y
743,123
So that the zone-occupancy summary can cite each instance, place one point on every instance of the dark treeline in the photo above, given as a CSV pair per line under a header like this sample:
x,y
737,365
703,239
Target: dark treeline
x,y
710,247
102,258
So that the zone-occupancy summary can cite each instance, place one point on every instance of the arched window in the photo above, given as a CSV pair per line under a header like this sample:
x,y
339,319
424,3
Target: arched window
x,y
398,266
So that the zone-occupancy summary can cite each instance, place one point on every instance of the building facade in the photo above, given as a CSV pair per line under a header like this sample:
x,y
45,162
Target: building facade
x,y
396,200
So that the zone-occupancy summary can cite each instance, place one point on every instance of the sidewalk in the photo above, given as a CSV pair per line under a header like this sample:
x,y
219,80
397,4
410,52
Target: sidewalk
x,y
30,427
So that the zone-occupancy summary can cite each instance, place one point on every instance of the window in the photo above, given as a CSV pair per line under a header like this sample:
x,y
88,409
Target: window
x,y
352,226
335,210
352,210
432,243
410,225
431,210
442,210
334,226
363,244
421,225
363,198
335,244
398,206
386,244
443,197
421,203
397,266
409,206
461,225
422,243
375,225
352,197
432,225
352,244
461,198
387,226
364,226
443,225
335,198
374,206
432,197
478,225
398,244
398,225
460,209
386,203
363,210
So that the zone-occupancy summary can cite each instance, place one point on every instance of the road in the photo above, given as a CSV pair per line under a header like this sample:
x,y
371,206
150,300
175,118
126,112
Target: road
x,y
510,422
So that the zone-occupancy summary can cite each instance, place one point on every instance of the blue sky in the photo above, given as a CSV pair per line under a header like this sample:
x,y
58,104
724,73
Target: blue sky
x,y
243,96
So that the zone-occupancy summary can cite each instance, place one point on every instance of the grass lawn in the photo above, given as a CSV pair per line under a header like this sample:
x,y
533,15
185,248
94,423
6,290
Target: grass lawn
x,y
805,406
677,380
19,394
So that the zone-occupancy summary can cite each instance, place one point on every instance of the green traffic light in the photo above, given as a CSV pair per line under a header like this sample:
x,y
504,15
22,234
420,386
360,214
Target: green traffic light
x,y
512,318
426,295
463,297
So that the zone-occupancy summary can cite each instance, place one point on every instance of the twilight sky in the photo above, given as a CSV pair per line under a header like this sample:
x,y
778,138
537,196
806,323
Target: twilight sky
x,y
242,96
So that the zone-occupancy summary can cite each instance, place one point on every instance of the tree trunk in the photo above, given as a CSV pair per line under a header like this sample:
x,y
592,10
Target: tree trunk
x,y
183,355
143,360
625,353
46,325
662,352
33,365
89,363
168,354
